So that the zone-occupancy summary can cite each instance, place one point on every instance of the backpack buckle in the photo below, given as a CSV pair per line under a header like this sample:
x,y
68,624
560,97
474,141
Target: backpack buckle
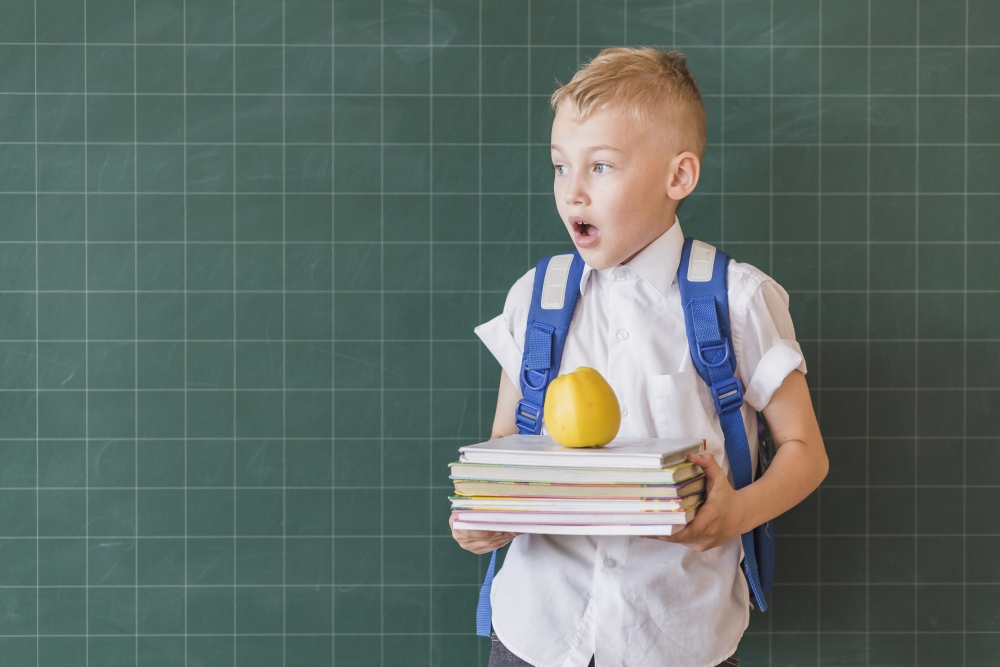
x,y
528,417
702,349
533,379
728,395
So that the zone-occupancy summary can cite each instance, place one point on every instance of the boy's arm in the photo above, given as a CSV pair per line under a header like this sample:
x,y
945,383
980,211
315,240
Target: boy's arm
x,y
503,420
799,465
484,541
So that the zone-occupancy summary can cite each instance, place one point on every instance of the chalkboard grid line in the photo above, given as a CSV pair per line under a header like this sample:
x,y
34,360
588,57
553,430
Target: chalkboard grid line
x,y
186,551
483,428
818,400
381,83
991,245
916,355
752,144
770,219
530,95
236,507
86,317
284,336
430,309
34,10
135,322
415,45
418,192
868,323
965,343
333,357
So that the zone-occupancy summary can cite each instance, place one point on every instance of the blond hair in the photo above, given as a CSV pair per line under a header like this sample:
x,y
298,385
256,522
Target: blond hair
x,y
648,85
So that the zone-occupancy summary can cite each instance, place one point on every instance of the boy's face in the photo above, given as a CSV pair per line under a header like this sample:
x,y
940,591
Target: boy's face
x,y
611,180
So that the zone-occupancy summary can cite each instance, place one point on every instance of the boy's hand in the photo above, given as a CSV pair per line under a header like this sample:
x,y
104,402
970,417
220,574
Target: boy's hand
x,y
719,519
799,465
479,541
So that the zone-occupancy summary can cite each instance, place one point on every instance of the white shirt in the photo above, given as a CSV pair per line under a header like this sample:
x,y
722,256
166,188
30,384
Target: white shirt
x,y
633,601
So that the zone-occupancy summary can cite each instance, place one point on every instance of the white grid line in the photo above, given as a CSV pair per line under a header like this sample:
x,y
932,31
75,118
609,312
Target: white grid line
x,y
819,330
868,324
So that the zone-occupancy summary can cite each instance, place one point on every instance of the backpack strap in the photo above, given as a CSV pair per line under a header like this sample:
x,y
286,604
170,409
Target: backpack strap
x,y
702,279
553,300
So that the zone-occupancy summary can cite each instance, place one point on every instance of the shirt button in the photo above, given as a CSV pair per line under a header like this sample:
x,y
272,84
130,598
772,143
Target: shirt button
x,y
622,335
624,411
610,562
620,274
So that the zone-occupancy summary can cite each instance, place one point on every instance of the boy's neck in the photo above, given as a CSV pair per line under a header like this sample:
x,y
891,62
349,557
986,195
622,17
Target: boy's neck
x,y
673,221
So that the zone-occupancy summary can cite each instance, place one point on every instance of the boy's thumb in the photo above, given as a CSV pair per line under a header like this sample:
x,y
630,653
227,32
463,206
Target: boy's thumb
x,y
707,463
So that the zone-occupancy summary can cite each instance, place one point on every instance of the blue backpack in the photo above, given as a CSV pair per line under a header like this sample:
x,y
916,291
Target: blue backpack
x,y
701,277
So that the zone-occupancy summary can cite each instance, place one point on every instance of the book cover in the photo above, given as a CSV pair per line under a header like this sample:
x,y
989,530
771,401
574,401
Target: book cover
x,y
671,474
608,505
576,518
545,489
560,529
646,453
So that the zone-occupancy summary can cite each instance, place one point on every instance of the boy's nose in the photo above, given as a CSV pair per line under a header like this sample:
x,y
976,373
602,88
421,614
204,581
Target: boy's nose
x,y
575,193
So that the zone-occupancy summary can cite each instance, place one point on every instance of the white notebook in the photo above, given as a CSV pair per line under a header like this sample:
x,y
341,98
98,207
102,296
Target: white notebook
x,y
585,505
544,529
648,453
592,519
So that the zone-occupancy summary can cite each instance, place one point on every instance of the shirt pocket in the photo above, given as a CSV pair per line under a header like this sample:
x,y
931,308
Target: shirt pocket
x,y
683,408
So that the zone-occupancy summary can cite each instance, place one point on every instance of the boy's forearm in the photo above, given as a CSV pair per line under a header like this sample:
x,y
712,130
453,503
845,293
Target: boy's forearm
x,y
800,463
507,398
794,473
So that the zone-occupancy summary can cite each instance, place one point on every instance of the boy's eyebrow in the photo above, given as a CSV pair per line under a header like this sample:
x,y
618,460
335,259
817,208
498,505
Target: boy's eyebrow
x,y
591,149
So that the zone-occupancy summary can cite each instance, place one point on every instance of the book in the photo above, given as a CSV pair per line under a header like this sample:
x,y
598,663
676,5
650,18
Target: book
x,y
536,489
554,529
542,450
575,518
599,505
483,472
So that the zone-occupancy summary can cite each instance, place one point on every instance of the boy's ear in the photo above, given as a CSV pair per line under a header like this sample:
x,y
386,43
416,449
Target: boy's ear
x,y
685,169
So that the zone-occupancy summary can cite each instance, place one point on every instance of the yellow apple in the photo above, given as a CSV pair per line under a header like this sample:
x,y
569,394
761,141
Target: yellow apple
x,y
581,409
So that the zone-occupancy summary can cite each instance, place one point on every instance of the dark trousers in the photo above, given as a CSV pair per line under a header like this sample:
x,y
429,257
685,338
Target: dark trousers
x,y
501,657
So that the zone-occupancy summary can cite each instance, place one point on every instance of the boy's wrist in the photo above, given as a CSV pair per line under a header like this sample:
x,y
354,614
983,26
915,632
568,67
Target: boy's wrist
x,y
746,504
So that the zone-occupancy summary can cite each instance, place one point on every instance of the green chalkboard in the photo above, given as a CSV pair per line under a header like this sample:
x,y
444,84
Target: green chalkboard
x,y
244,243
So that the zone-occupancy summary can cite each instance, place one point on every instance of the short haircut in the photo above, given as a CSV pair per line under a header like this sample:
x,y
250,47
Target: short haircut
x,y
651,86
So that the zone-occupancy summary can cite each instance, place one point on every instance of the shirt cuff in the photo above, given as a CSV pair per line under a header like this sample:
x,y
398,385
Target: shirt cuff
x,y
501,344
784,357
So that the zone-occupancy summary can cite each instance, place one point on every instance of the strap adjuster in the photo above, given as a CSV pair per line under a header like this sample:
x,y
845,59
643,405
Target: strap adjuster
x,y
540,378
528,417
728,395
702,349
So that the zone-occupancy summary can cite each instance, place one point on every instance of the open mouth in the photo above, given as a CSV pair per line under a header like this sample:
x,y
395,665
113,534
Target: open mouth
x,y
584,233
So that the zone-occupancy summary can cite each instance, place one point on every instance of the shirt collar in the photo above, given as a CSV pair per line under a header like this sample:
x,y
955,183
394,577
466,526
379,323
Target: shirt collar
x,y
656,263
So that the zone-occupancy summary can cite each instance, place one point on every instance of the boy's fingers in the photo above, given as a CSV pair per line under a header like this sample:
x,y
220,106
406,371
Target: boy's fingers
x,y
707,463
676,537
481,534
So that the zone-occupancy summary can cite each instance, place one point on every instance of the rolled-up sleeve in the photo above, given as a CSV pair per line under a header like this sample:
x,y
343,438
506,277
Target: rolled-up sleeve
x,y
764,337
504,334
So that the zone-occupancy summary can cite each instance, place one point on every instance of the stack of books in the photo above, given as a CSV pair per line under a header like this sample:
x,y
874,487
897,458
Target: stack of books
x,y
531,484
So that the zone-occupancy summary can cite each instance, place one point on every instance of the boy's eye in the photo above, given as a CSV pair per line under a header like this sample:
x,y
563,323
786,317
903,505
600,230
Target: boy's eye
x,y
559,168
602,168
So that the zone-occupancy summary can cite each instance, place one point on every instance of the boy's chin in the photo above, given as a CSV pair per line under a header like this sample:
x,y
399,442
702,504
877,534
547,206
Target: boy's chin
x,y
596,258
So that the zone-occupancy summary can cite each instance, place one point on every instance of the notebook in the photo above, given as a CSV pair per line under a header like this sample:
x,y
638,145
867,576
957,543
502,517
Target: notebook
x,y
553,529
534,489
500,518
542,450
585,505
671,474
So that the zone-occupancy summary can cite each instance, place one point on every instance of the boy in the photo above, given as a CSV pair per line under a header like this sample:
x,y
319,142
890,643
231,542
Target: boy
x,y
627,142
